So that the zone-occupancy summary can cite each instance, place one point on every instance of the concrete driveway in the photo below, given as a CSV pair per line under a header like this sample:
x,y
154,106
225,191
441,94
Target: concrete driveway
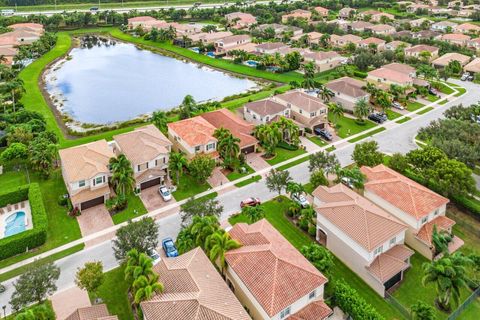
x,y
66,302
94,220
256,162
152,200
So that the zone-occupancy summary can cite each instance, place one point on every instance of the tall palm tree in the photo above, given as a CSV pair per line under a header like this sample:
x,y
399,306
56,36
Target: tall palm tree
x,y
146,286
336,111
361,110
14,86
138,264
202,227
309,76
122,174
253,213
160,120
269,136
289,129
449,274
228,146
185,241
325,94
295,188
294,209
219,243
384,101
372,90
176,162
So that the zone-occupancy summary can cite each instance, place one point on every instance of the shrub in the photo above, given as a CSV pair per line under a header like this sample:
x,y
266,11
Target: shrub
x,y
470,204
318,178
116,204
348,299
28,239
312,230
360,74
62,201
398,162
284,145
303,224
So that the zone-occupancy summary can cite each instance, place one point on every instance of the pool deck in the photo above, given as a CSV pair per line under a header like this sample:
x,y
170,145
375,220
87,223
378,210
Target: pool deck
x,y
7,211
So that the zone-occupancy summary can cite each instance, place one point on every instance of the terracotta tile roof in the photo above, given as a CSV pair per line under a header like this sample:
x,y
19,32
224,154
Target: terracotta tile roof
x,y
381,27
35,27
141,19
322,55
473,66
89,194
143,144
85,161
467,27
265,107
454,37
194,290
447,57
348,86
194,131
400,67
274,272
315,310
391,262
405,194
95,312
239,128
321,10
356,216
302,100
421,47
349,38
235,38
244,17
426,231
391,75
360,25
271,45
371,40
8,39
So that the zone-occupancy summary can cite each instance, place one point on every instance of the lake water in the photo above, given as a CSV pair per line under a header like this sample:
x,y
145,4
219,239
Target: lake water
x,y
107,83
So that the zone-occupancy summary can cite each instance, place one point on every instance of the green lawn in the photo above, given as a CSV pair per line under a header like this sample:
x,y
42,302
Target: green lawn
x,y
134,209
189,187
366,135
414,105
460,91
114,292
443,102
294,163
443,88
404,119
61,227
425,110
392,115
284,154
274,213
346,127
318,141
248,181
237,103
432,98
237,175
330,149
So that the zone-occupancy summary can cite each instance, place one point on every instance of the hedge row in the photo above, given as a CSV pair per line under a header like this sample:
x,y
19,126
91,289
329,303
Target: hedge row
x,y
348,299
470,204
12,196
31,238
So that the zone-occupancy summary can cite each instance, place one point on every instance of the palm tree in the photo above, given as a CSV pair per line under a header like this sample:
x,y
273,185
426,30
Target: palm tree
x,y
146,286
219,243
384,101
185,241
228,146
372,90
176,163
202,227
361,110
15,86
295,188
138,264
309,76
325,94
449,276
308,214
253,213
440,240
397,91
289,129
269,136
294,209
122,174
336,111
160,120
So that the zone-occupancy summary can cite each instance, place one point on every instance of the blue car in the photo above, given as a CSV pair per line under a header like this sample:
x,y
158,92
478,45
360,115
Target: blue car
x,y
169,247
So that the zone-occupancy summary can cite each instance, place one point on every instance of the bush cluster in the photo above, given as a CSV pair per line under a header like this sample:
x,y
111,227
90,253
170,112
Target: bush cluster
x,y
352,303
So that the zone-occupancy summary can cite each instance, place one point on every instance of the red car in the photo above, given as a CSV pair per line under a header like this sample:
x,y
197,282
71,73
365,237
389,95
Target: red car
x,y
250,202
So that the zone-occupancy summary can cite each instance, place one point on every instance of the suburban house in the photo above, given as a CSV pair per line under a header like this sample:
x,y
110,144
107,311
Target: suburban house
x,y
412,8
193,136
142,21
443,26
229,43
416,51
325,60
418,207
280,29
297,14
474,43
94,312
308,111
85,170
342,41
425,34
369,240
346,13
148,151
270,47
459,39
473,67
467,28
323,12
375,16
193,290
209,37
271,278
240,20
444,60
370,42
387,76
382,29
394,45
264,111
21,34
417,23
348,92
312,37
358,26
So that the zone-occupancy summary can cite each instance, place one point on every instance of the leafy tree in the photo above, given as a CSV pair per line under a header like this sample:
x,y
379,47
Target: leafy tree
x,y
160,120
449,275
350,301
357,177
454,67
39,312
277,180
253,214
35,285
15,153
336,111
398,162
141,235
424,158
90,277
317,178
361,110
319,256
43,154
122,174
201,167
218,244
451,178
200,207
422,311
176,163
367,154
20,133
187,107
323,160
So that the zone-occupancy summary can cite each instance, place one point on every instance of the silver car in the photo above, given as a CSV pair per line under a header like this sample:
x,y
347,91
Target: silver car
x,y
165,193
300,199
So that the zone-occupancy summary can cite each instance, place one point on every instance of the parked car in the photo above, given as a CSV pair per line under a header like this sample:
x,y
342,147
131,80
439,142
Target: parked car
x,y
348,182
464,76
397,105
324,133
377,117
169,247
165,193
475,118
152,253
300,199
250,202
433,91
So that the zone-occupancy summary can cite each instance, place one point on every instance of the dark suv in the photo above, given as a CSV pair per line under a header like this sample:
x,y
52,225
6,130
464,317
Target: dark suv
x,y
324,133
378,117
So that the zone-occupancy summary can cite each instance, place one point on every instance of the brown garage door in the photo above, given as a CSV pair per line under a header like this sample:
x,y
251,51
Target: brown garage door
x,y
248,149
91,203
150,183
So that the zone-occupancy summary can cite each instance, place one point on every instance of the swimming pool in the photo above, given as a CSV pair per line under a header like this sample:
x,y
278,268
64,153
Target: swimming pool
x,y
15,223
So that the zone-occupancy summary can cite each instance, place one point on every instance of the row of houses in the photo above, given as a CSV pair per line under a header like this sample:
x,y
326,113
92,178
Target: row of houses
x,y
20,34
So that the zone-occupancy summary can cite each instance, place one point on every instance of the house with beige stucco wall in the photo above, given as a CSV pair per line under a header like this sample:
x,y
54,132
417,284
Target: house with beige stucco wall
x,y
418,207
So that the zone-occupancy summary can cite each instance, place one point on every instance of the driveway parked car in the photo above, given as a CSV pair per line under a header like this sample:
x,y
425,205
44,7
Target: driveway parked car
x,y
324,133
300,199
165,193
348,182
377,117
250,202
169,247
397,105
433,91
154,255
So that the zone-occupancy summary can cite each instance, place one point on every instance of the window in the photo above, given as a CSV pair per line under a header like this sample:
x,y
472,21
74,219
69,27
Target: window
x,y
146,165
267,118
313,114
210,146
156,162
254,117
285,313
378,251
393,241
300,111
98,180
81,183
138,167
312,295
424,219
197,148
435,213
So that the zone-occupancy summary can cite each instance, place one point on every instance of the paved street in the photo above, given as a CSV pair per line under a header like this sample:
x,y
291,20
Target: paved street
x,y
397,139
